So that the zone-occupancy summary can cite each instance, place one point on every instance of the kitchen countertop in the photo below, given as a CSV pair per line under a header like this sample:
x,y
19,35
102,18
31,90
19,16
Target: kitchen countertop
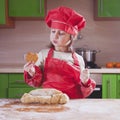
x,y
79,109
18,69
105,70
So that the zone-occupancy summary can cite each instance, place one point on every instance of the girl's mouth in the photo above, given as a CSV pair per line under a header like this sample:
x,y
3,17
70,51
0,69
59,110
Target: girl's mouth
x,y
55,41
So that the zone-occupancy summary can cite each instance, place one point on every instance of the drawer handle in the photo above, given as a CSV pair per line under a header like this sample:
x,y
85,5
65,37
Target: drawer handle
x,y
20,81
119,89
19,95
40,6
97,89
108,88
101,6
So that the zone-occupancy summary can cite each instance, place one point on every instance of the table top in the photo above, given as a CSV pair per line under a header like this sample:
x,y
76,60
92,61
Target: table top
x,y
16,69
79,109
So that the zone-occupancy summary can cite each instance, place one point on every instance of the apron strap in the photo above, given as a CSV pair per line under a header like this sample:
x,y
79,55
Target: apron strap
x,y
50,53
76,62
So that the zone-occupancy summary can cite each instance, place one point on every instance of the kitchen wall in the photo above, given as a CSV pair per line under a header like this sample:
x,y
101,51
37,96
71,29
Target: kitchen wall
x,y
34,35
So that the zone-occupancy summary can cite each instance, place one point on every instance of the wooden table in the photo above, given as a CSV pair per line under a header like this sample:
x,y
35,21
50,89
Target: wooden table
x,y
79,109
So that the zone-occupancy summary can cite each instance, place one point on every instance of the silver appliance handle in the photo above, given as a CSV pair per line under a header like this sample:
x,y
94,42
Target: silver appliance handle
x,y
97,89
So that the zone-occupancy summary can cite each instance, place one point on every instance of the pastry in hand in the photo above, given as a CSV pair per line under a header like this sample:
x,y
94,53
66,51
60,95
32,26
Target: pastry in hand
x,y
45,96
31,57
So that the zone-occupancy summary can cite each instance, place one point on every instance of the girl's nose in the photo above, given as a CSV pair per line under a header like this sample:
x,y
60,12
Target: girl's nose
x,y
56,35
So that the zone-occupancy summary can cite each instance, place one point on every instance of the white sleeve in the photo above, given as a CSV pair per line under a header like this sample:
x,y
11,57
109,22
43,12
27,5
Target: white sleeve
x,y
81,62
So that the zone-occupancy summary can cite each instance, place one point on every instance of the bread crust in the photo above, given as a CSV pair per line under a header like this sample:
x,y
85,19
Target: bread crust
x,y
45,96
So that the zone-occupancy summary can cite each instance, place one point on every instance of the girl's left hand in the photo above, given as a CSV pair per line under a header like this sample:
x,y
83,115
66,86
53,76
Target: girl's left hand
x,y
84,76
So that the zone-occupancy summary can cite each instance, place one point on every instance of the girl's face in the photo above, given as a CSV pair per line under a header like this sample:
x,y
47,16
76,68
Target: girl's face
x,y
60,38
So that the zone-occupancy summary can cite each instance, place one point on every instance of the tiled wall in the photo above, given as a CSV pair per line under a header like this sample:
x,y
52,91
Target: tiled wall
x,y
34,35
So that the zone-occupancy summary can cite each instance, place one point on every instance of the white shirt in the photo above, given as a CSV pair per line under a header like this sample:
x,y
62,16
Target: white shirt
x,y
59,55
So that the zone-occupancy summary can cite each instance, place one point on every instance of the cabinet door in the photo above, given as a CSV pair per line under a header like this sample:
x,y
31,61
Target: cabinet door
x,y
109,86
2,12
27,8
118,86
107,9
18,92
16,80
3,85
5,21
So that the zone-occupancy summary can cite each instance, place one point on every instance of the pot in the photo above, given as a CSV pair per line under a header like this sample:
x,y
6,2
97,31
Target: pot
x,y
88,55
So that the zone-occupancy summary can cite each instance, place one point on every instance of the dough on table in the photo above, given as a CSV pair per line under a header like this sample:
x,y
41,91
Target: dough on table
x,y
45,96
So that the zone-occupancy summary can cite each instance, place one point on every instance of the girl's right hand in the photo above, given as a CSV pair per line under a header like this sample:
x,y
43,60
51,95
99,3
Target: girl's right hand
x,y
29,67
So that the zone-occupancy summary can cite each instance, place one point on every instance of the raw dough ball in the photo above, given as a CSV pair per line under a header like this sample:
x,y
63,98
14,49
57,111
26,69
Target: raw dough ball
x,y
44,92
45,96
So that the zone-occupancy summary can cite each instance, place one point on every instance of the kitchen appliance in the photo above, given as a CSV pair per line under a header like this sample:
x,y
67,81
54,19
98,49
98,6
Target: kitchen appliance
x,y
89,57
97,93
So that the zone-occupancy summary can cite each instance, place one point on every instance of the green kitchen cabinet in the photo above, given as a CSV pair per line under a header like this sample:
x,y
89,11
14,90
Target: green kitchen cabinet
x,y
5,20
118,86
18,92
110,86
27,8
3,85
107,9
16,80
12,85
17,86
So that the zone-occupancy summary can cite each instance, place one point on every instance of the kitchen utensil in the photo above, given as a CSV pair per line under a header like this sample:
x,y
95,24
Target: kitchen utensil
x,y
87,54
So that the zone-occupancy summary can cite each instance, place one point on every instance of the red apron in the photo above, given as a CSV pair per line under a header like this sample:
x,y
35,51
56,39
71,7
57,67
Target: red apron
x,y
62,76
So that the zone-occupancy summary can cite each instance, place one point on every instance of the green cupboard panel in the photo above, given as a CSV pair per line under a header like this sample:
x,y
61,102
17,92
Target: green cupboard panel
x,y
3,85
109,8
118,86
3,80
18,92
3,92
16,80
109,86
2,12
26,8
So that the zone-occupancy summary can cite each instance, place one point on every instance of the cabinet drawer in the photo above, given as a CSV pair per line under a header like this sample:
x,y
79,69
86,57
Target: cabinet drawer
x,y
18,92
26,8
5,21
109,86
3,92
118,86
105,11
2,12
16,80
3,80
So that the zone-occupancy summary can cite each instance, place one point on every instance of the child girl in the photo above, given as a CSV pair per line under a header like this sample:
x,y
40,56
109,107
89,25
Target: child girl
x,y
59,66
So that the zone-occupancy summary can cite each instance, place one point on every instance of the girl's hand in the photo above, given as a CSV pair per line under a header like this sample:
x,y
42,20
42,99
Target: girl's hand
x,y
29,67
84,76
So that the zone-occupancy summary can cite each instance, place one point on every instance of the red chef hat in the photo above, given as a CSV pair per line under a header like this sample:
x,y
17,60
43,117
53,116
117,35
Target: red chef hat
x,y
65,19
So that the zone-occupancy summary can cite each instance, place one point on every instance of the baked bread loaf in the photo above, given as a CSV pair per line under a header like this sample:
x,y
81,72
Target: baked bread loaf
x,y
45,96
31,57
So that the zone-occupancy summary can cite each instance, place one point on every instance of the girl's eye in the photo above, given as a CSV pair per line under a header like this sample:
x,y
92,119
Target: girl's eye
x,y
62,33
53,31
58,32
